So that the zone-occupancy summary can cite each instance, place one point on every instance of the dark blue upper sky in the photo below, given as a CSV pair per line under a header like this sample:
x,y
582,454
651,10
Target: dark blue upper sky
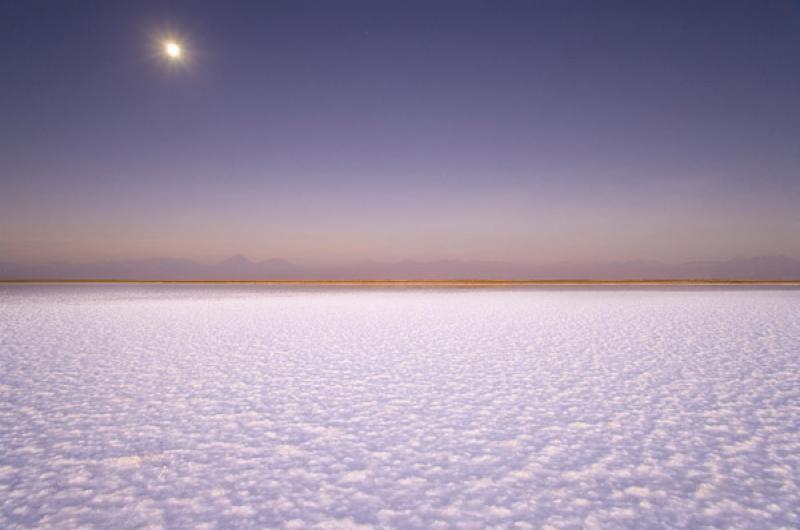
x,y
330,131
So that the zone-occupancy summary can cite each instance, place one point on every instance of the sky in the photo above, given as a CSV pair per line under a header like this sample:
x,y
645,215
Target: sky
x,y
325,132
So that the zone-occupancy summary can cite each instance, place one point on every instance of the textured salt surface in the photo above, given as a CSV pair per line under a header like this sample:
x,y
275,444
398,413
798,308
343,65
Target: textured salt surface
x,y
203,407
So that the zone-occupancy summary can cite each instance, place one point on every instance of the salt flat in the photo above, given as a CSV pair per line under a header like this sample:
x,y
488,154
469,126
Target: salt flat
x,y
131,406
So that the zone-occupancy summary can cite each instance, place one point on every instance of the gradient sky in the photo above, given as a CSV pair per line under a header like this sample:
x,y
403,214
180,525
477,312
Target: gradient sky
x,y
334,131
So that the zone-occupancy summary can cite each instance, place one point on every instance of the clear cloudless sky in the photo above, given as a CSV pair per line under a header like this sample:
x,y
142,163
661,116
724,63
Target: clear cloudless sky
x,y
331,131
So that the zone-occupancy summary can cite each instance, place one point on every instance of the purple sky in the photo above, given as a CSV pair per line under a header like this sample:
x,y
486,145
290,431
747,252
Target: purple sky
x,y
334,131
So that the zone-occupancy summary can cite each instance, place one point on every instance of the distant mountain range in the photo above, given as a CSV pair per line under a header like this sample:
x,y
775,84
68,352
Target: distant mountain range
x,y
240,268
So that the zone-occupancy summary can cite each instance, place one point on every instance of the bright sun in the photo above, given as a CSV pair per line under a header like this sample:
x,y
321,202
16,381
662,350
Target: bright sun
x,y
172,49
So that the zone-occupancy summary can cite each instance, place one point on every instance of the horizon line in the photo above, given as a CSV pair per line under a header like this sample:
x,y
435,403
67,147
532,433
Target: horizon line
x,y
315,262
437,282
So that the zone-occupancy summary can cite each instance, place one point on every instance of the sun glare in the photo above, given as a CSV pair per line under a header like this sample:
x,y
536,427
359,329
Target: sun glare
x,y
173,50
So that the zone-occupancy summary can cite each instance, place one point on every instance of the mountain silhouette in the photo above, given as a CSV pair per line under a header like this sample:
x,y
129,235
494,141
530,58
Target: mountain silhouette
x,y
238,267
